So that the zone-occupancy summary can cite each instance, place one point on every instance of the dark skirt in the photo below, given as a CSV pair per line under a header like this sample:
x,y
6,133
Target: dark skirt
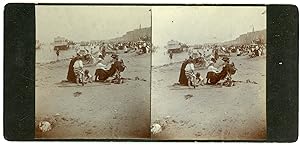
x,y
71,77
182,77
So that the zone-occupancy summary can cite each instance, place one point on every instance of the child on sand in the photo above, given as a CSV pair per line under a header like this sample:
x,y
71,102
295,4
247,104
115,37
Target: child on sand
x,y
88,78
78,70
189,72
199,79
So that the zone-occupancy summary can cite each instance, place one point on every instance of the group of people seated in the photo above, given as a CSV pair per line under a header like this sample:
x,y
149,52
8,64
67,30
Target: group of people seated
x,y
77,74
253,50
189,77
140,47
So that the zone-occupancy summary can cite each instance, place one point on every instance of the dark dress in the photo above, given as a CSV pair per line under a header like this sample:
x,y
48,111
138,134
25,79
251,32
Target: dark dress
x,y
182,77
71,75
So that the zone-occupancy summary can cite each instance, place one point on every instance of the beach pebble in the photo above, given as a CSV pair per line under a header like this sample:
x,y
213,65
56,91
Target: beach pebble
x,y
188,96
45,126
77,94
167,117
156,128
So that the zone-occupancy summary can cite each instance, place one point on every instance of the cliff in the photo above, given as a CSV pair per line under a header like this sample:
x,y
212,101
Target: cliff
x,y
248,38
134,35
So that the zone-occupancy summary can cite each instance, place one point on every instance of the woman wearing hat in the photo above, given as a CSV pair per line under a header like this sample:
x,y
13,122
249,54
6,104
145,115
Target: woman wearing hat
x,y
182,77
211,71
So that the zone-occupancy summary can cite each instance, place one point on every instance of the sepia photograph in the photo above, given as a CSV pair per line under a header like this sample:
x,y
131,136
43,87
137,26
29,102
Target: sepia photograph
x,y
208,78
142,72
150,72
92,72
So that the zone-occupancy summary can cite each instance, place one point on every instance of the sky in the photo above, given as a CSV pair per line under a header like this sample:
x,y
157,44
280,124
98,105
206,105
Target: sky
x,y
79,23
204,24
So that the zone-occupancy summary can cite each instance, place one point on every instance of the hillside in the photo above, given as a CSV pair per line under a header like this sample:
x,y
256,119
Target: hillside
x,y
248,38
134,35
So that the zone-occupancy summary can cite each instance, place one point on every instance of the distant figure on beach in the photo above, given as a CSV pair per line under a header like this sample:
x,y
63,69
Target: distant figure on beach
x,y
100,55
204,53
57,54
238,52
125,49
171,55
103,52
216,54
92,49
200,54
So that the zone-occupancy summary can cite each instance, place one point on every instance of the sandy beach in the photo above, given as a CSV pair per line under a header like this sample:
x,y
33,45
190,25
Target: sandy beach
x,y
120,111
211,112
96,110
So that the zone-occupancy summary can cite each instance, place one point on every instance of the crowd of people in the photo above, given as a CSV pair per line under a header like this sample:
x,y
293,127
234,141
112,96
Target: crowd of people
x,y
77,73
95,54
189,76
140,47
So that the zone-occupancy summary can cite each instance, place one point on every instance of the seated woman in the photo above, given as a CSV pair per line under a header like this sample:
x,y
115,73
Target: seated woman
x,y
211,71
116,68
182,78
101,70
100,65
71,75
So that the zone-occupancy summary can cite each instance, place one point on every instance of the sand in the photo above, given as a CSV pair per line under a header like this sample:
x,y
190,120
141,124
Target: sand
x,y
97,110
210,112
123,111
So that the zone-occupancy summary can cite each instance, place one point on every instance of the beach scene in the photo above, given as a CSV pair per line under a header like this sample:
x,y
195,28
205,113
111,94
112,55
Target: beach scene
x,y
116,104
231,108
151,72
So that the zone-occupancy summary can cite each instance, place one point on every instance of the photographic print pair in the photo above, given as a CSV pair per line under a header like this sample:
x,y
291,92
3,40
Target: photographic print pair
x,y
150,72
